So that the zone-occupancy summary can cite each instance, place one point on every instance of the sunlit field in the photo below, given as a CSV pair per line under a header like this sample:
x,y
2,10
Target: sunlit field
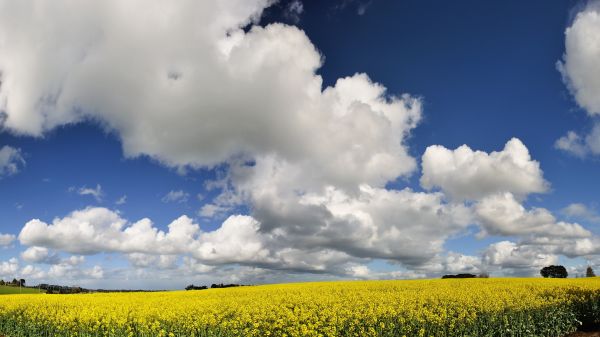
x,y
475,307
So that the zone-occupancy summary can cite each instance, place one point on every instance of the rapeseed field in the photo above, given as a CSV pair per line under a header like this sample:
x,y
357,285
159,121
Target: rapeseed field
x,y
472,307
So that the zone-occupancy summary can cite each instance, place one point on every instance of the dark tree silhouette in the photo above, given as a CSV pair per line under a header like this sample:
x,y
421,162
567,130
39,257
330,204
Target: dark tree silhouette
x,y
590,272
554,272
459,276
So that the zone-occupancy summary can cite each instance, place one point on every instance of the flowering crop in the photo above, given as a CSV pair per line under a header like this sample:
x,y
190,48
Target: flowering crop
x,y
473,307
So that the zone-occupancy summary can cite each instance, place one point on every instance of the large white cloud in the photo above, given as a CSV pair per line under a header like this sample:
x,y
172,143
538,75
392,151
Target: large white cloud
x,y
193,88
466,174
580,69
581,65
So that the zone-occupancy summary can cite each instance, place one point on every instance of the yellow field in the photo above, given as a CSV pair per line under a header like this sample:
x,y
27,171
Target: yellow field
x,y
475,307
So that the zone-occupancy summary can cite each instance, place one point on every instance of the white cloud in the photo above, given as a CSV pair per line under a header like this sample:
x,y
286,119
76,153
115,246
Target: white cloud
x,y
355,127
459,263
198,84
95,230
581,211
11,159
211,210
580,146
502,214
97,192
467,174
140,260
573,144
39,255
517,259
580,66
30,272
176,196
580,69
201,91
72,272
6,239
9,268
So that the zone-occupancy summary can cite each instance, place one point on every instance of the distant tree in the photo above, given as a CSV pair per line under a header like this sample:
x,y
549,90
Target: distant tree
x,y
193,287
2,283
22,282
14,282
554,272
459,276
590,272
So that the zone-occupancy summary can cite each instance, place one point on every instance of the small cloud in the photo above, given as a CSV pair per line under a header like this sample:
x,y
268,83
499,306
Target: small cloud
x,y
97,192
176,196
581,211
11,161
573,144
19,206
6,239
294,10
122,200
211,210
361,6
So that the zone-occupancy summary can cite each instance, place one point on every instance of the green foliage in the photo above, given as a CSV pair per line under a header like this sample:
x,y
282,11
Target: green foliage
x,y
554,272
590,272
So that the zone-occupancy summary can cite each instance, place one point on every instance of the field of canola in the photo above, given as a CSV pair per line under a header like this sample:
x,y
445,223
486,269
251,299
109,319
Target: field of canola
x,y
475,307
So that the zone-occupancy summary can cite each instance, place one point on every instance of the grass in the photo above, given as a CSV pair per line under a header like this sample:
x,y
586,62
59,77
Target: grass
x,y
7,290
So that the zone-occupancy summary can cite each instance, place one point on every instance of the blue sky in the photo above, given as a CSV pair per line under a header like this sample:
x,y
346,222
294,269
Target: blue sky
x,y
231,124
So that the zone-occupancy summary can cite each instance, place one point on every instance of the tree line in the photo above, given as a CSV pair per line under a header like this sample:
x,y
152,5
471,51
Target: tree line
x,y
13,283
213,286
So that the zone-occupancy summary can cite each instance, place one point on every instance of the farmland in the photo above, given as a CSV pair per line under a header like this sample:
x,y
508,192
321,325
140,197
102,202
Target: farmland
x,y
8,290
476,307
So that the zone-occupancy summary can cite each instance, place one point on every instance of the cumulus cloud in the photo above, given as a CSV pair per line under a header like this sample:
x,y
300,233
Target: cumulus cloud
x,y
580,146
466,174
39,255
176,196
580,66
191,118
581,211
198,84
517,259
11,160
95,230
6,239
211,210
502,214
9,268
30,272
71,272
140,260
